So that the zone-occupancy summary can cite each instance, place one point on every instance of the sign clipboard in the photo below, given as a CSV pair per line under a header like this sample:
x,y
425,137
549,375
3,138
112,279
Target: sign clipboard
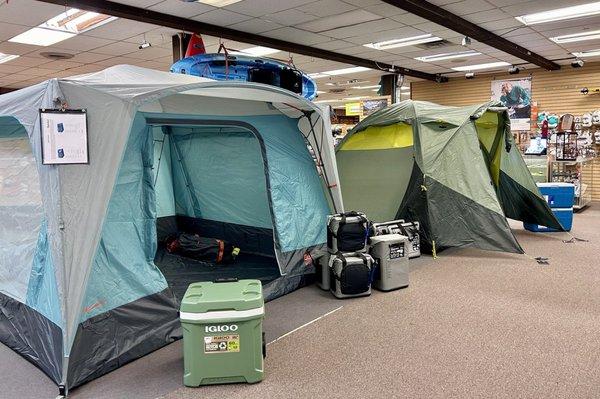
x,y
64,136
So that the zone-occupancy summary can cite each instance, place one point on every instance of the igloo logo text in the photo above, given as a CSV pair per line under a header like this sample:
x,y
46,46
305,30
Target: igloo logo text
x,y
221,328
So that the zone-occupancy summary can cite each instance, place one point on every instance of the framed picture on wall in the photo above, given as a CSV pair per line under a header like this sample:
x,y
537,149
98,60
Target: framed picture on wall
x,y
515,94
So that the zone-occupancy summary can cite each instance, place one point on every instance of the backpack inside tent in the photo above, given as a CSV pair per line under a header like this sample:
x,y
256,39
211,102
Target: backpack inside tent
x,y
85,282
456,170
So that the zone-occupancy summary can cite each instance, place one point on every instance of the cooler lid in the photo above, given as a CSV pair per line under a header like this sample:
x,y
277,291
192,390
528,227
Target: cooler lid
x,y
555,184
211,296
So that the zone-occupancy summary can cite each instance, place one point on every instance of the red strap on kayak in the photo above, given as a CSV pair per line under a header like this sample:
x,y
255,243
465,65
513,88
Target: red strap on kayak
x,y
221,251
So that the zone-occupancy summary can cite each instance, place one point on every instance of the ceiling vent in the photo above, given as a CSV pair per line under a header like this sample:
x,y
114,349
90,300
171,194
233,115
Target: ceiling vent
x,y
55,56
337,90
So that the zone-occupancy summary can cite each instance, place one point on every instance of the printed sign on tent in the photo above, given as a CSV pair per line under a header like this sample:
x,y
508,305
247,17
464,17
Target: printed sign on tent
x,y
515,94
64,136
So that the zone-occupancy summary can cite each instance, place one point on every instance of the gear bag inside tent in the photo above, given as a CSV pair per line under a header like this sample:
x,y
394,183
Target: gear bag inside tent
x,y
87,283
455,170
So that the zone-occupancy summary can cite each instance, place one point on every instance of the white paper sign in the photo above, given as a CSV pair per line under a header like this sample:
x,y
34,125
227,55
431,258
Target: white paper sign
x,y
64,137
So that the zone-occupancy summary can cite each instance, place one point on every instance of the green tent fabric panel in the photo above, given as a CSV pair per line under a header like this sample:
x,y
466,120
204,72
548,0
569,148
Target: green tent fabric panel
x,y
123,269
459,221
375,181
520,197
415,208
491,137
398,135
521,204
21,209
225,175
163,174
42,292
452,157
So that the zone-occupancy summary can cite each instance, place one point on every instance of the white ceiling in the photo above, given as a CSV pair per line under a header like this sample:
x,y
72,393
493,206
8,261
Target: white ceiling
x,y
342,26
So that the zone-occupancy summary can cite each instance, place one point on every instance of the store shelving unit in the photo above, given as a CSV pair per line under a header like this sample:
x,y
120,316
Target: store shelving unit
x,y
579,172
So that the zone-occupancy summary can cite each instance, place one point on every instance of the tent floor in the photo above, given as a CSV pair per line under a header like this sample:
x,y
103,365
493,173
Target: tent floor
x,y
472,324
181,271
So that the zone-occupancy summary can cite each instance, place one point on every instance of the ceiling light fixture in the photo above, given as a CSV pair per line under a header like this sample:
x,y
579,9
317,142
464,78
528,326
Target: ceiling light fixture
x,y
41,37
7,57
489,65
218,3
447,56
561,14
335,72
64,26
258,51
407,41
589,53
576,37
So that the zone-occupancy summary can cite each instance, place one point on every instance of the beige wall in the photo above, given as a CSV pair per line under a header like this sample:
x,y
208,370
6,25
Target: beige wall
x,y
554,91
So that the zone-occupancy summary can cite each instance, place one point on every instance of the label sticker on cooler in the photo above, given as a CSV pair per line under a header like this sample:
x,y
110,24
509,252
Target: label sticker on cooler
x,y
222,343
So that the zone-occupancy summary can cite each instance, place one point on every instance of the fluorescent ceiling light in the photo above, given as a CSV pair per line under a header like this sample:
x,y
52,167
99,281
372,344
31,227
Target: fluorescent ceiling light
x,y
41,37
218,3
258,51
478,67
560,14
447,56
407,41
366,87
589,53
321,92
335,72
64,26
577,37
7,57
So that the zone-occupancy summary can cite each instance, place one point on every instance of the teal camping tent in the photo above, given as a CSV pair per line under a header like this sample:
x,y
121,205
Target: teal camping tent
x,y
85,282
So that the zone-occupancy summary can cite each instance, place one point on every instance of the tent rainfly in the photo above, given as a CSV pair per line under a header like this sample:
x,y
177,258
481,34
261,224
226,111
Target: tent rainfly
x,y
456,170
85,282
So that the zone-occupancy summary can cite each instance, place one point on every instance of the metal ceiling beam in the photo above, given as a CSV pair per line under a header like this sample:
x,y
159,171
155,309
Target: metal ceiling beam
x,y
189,25
452,21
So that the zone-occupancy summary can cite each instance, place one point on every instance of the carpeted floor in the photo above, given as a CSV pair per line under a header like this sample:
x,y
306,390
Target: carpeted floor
x,y
471,325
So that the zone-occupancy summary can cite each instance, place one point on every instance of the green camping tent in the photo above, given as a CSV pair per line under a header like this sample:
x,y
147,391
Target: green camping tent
x,y
456,170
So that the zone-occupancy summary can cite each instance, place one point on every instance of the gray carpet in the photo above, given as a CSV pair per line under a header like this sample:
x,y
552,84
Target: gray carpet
x,y
471,325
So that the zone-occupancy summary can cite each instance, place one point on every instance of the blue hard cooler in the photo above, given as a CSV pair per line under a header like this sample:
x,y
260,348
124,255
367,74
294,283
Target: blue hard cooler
x,y
560,197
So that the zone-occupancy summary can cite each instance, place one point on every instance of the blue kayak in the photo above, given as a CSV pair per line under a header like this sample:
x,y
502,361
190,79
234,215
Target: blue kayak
x,y
248,69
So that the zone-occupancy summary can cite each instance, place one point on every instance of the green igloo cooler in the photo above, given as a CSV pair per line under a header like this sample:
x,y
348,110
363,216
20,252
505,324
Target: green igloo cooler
x,y
223,340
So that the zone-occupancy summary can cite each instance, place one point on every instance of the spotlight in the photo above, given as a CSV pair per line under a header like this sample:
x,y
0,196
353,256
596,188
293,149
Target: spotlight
x,y
577,63
470,75
144,45
466,41
514,70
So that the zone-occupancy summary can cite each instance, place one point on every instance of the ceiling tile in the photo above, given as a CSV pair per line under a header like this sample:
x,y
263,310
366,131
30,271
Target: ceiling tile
x,y
289,17
116,48
120,29
221,17
347,19
36,12
324,8
83,43
364,28
258,8
8,31
255,25
468,7
181,8
297,36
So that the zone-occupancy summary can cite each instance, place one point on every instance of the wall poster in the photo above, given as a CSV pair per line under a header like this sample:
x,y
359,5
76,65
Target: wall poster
x,y
515,94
